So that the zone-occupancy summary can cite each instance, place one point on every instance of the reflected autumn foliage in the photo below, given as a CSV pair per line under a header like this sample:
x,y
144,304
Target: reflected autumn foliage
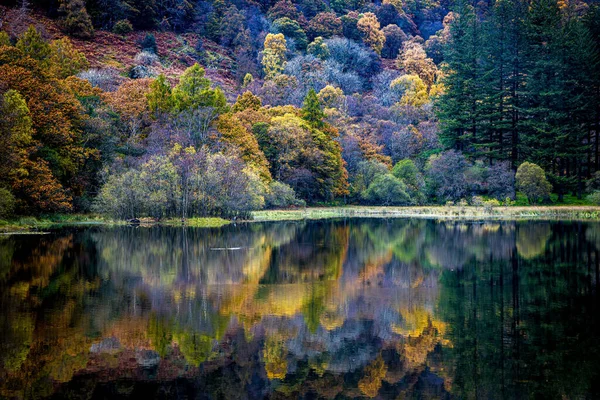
x,y
352,308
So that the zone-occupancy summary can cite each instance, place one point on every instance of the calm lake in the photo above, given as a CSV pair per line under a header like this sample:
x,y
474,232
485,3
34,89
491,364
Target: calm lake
x,y
391,309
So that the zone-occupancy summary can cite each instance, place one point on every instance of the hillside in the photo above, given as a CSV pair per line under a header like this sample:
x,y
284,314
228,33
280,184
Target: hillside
x,y
217,108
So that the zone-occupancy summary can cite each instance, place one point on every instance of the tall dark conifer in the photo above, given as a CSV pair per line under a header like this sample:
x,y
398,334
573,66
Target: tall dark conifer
x,y
458,106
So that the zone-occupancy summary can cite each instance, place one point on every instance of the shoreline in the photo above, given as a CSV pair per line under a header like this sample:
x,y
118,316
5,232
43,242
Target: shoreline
x,y
584,213
579,213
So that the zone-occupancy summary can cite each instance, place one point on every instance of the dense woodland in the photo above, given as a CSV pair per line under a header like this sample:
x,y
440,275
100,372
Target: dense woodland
x,y
231,106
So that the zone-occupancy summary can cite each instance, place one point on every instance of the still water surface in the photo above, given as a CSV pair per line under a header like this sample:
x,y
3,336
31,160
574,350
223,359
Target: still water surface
x,y
393,309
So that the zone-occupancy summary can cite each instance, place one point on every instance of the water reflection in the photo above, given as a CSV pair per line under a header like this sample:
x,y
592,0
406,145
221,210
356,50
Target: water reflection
x,y
354,308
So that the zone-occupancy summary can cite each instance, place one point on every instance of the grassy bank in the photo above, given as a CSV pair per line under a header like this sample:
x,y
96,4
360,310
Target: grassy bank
x,y
26,224
449,212
33,224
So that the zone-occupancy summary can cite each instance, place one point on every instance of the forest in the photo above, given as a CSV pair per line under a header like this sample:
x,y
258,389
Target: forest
x,y
183,108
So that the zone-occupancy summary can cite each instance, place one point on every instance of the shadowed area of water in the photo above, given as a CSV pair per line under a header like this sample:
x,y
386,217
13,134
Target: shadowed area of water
x,y
325,309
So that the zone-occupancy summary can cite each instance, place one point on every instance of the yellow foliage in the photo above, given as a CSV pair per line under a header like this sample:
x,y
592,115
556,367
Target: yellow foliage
x,y
370,383
274,59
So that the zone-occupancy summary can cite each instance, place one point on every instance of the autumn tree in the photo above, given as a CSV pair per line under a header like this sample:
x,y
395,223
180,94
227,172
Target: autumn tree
x,y
233,132
247,100
325,25
274,58
65,60
413,89
29,178
414,60
369,26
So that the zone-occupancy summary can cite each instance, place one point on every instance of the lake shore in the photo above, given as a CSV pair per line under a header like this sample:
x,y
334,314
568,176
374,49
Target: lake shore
x,y
435,212
33,224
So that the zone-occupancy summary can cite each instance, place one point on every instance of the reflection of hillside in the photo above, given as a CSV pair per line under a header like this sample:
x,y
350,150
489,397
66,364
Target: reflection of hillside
x,y
346,308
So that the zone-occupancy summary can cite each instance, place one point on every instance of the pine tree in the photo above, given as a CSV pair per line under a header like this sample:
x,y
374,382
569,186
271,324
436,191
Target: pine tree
x,y
458,106
311,110
76,21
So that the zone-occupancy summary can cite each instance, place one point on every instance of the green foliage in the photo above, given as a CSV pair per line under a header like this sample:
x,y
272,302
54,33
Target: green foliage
x,y
149,43
122,27
194,91
594,198
4,39
33,45
406,171
159,97
7,203
387,190
291,29
531,180
76,21
318,48
311,110
280,195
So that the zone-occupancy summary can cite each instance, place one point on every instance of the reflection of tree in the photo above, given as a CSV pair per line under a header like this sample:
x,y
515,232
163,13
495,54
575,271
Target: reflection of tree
x,y
374,373
274,356
313,309
532,239
525,328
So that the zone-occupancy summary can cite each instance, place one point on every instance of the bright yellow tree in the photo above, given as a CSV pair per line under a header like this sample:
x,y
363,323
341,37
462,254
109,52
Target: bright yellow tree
x,y
274,59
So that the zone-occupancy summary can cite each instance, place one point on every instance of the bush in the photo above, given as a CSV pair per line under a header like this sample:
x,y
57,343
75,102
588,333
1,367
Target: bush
x,y
531,180
76,21
148,44
407,172
594,198
281,195
107,79
365,174
446,176
593,184
122,27
500,180
387,190
7,203
146,58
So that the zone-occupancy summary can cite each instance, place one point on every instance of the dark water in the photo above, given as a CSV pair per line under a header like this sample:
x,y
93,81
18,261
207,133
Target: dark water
x,y
399,309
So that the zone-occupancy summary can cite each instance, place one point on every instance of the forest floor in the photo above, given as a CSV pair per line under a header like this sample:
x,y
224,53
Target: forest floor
x,y
39,224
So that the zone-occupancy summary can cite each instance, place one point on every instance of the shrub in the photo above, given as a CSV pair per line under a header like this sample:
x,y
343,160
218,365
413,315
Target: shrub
x,y
531,180
594,198
148,44
107,79
594,183
122,27
446,176
281,195
76,21
7,203
387,190
407,172
500,181
146,58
